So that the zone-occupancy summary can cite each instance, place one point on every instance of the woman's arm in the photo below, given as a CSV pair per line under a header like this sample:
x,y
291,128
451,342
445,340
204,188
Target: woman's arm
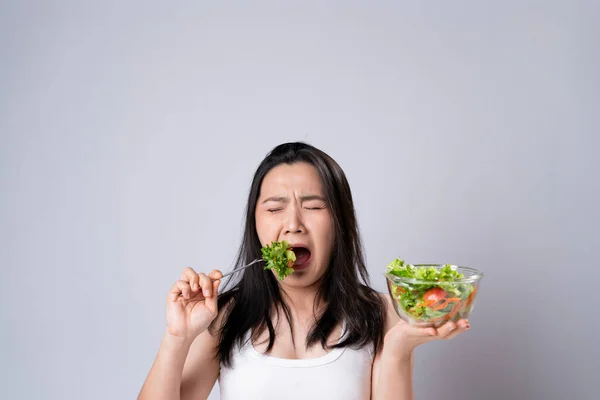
x,y
392,375
182,370
187,365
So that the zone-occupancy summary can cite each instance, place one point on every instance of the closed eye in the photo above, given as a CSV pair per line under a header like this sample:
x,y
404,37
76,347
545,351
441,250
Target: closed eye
x,y
274,210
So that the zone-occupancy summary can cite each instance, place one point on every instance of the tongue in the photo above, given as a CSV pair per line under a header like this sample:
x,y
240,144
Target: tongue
x,y
302,255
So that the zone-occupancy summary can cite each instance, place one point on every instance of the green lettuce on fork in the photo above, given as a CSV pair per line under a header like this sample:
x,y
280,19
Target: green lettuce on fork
x,y
280,257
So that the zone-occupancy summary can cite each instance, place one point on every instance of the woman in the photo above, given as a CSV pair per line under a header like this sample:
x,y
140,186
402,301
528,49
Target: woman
x,y
320,333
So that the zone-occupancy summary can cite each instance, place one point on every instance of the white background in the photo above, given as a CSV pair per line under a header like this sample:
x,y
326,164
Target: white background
x,y
129,132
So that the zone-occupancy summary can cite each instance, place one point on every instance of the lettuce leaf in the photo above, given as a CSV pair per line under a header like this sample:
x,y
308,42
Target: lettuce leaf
x,y
279,257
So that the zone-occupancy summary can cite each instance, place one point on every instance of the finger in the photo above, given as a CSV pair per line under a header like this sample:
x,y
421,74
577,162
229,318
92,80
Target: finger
x,y
448,329
212,301
206,284
464,324
455,333
215,274
461,327
415,334
416,331
174,293
190,276
427,332
179,288
185,289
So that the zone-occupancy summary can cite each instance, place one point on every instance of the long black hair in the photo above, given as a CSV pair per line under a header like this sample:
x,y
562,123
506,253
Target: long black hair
x,y
249,304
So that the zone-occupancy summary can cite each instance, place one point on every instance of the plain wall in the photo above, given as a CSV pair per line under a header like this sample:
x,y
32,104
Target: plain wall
x,y
129,132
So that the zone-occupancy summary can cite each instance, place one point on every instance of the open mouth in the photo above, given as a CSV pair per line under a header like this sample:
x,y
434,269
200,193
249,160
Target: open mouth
x,y
302,255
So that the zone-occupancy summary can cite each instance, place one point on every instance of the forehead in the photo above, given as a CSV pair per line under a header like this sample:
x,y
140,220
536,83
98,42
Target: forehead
x,y
301,177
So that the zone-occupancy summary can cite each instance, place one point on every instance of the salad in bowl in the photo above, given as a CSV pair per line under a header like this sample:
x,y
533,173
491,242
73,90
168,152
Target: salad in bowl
x,y
429,295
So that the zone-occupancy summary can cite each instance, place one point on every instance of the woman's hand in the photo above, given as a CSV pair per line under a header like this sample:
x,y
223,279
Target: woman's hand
x,y
403,338
393,367
192,304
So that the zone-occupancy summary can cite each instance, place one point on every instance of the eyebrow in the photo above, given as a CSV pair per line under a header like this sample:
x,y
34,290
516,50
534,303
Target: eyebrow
x,y
284,199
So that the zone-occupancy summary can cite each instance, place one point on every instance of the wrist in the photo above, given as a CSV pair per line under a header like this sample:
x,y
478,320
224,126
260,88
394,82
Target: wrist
x,y
397,350
175,342
397,357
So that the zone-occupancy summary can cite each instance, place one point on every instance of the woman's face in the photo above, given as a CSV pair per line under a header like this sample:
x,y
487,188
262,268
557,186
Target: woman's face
x,y
292,207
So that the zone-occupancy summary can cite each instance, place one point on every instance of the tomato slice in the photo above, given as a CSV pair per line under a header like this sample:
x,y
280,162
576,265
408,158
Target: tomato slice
x,y
435,294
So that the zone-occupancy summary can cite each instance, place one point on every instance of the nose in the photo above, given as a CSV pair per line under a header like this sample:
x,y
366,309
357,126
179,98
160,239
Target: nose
x,y
293,223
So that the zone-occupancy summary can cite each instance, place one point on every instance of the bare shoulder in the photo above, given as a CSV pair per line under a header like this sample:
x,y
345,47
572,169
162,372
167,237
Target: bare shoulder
x,y
391,318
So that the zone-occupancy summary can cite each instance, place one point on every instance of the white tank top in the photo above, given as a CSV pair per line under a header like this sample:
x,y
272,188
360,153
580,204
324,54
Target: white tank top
x,y
340,374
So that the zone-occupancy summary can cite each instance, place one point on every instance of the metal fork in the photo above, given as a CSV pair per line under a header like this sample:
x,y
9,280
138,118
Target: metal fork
x,y
235,270
242,268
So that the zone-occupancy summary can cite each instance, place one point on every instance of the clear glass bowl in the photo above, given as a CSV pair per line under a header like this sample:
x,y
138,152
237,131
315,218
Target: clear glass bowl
x,y
433,303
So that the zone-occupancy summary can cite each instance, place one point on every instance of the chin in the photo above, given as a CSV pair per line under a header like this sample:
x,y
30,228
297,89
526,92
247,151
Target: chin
x,y
304,278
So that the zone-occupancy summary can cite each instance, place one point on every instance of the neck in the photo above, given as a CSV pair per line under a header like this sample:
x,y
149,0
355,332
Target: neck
x,y
303,302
